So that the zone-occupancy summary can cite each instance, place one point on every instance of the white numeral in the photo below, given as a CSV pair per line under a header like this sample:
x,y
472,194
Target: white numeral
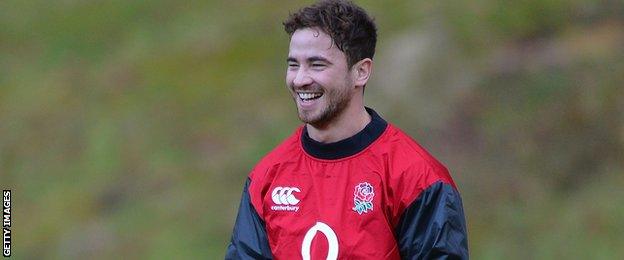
x,y
332,240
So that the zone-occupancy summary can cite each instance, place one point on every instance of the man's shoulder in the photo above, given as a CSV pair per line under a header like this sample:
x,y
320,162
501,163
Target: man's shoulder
x,y
404,148
410,158
284,151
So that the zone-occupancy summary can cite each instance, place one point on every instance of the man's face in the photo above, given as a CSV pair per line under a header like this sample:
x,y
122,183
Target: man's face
x,y
318,77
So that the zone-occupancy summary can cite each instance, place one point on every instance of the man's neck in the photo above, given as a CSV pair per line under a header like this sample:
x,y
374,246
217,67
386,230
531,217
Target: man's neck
x,y
347,124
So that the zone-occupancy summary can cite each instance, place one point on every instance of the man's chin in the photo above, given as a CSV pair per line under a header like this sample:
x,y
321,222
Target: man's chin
x,y
316,120
306,119
309,117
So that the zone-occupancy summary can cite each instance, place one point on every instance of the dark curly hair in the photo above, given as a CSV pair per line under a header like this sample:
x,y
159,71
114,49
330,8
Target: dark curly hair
x,y
349,26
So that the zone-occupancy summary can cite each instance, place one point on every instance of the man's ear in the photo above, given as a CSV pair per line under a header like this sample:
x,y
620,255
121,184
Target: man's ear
x,y
362,71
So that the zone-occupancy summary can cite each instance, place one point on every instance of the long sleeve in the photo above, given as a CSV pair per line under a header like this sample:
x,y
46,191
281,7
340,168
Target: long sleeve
x,y
433,226
249,238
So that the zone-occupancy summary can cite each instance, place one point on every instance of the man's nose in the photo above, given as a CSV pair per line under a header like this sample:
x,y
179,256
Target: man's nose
x,y
302,79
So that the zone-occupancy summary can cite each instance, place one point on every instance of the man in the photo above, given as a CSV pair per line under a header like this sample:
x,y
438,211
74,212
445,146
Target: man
x,y
346,184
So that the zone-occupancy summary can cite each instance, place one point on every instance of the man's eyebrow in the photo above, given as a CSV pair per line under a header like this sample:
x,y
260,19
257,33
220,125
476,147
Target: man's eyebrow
x,y
319,58
310,59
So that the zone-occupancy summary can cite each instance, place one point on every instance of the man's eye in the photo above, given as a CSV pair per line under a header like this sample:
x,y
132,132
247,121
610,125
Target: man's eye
x,y
318,65
293,65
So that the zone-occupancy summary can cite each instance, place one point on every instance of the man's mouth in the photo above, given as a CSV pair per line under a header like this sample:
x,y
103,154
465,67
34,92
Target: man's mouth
x,y
308,96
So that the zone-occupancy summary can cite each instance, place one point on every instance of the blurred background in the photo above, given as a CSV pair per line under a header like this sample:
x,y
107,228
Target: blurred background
x,y
127,128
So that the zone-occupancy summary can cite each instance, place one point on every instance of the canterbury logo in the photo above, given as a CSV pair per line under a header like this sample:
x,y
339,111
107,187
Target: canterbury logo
x,y
285,196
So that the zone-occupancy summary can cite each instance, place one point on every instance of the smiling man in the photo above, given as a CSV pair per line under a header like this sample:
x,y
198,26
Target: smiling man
x,y
327,89
346,184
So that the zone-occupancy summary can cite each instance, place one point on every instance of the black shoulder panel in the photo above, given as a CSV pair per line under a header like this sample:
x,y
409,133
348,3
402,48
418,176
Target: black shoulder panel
x,y
433,226
249,238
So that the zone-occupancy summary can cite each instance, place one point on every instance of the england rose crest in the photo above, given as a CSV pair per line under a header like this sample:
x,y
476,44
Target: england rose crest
x,y
363,198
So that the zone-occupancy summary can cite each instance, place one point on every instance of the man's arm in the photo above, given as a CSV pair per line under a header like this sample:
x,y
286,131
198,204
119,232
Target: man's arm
x,y
433,226
249,238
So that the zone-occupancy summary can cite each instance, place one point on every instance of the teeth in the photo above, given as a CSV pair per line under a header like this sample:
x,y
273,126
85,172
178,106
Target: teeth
x,y
306,96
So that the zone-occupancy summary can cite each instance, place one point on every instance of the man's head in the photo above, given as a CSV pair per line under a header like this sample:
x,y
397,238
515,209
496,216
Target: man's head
x,y
330,59
351,29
